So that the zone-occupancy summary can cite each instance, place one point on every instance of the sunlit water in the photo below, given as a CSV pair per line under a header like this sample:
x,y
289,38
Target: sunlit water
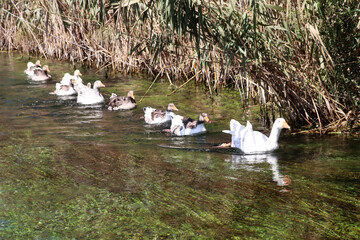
x,y
72,171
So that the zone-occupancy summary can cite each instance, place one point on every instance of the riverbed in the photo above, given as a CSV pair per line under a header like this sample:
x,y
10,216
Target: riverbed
x,y
69,171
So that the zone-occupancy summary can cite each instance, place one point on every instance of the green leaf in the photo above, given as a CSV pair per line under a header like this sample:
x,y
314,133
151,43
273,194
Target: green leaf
x,y
278,8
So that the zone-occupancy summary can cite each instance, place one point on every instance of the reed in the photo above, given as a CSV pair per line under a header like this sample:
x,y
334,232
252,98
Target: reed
x,y
296,57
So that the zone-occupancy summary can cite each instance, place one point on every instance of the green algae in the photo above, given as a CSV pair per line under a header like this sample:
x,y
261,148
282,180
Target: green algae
x,y
69,172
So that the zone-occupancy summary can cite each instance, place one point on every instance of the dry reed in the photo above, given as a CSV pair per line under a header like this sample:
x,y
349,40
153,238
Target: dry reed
x,y
271,51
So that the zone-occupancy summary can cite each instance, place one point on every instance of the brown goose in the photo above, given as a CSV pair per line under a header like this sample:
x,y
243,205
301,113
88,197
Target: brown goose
x,y
31,67
122,103
41,74
157,116
65,90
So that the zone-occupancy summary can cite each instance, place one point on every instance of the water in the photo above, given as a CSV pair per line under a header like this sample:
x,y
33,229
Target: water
x,y
69,171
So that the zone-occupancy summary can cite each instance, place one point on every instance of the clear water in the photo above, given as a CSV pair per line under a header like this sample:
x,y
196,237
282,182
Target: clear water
x,y
69,171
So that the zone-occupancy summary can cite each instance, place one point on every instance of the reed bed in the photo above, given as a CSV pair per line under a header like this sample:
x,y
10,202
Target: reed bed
x,y
299,58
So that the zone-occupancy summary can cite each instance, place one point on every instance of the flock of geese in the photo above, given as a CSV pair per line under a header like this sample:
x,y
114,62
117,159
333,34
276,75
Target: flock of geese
x,y
242,137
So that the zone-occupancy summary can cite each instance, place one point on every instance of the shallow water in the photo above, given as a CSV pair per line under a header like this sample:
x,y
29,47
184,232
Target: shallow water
x,y
72,171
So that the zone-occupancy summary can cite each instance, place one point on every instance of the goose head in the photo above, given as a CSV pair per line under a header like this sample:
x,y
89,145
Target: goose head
x,y
203,117
280,123
77,73
131,94
98,84
171,107
46,68
38,63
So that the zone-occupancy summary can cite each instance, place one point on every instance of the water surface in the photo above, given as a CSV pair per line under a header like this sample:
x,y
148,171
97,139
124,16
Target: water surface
x,y
71,171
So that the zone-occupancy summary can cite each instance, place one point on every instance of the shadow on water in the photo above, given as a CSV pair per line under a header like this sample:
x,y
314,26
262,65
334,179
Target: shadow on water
x,y
71,171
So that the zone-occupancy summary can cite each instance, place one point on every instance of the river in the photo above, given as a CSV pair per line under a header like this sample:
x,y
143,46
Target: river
x,y
79,172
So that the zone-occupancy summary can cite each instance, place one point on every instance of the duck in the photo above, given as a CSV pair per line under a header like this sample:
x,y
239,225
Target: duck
x,y
183,126
31,67
78,83
91,95
66,79
122,103
78,86
252,142
65,90
41,74
157,116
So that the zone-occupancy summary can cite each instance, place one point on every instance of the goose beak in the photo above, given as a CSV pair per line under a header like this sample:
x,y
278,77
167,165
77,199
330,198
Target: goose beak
x,y
175,108
207,119
80,74
101,84
286,125
132,95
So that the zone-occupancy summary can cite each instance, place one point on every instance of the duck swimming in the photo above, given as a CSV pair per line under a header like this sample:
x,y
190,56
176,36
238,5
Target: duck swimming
x,y
157,116
78,84
41,74
91,95
31,67
182,126
250,142
122,103
65,90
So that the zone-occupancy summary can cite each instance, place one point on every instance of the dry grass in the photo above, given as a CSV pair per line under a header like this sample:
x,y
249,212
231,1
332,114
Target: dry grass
x,y
282,54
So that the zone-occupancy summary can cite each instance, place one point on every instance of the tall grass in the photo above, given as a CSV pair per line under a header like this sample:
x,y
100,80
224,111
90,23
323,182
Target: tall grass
x,y
296,56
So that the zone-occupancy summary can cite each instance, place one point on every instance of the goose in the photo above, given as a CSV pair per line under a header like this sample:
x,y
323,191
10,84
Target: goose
x,y
31,67
250,142
78,84
66,79
41,74
65,90
157,116
181,126
91,95
122,103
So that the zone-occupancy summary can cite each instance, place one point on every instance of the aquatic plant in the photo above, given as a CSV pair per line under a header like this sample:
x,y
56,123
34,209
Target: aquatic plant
x,y
53,189
296,57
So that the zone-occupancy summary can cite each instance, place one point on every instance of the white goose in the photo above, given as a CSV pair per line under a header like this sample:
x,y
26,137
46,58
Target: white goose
x,y
250,141
91,95
183,126
78,83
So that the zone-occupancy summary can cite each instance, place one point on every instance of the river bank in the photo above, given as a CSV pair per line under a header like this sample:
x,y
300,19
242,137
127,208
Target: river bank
x,y
297,60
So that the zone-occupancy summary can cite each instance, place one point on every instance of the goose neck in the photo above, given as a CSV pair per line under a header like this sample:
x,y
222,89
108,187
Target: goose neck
x,y
274,135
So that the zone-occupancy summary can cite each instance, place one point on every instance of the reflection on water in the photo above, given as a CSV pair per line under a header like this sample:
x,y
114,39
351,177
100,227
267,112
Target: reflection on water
x,y
87,114
251,163
67,97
